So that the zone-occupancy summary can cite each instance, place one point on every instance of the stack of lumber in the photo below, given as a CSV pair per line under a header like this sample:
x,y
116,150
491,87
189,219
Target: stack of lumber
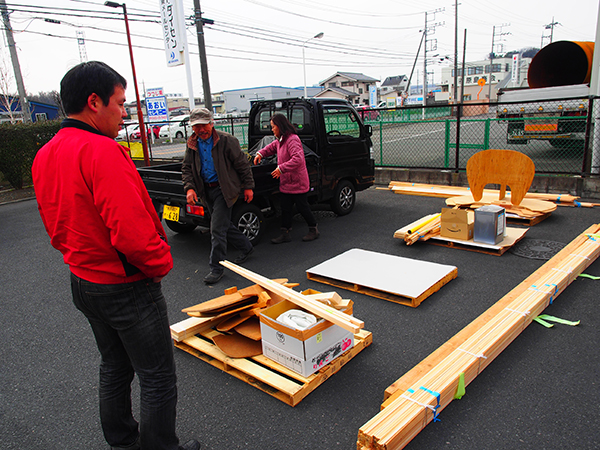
x,y
418,397
441,191
420,230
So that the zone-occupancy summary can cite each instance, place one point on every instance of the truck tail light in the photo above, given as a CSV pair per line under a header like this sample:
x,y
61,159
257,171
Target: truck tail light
x,y
194,210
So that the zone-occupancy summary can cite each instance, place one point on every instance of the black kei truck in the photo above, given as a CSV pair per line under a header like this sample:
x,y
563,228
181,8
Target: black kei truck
x,y
338,151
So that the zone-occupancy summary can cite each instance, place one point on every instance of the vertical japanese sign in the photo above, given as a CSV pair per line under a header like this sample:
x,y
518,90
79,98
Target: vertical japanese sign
x,y
172,32
373,96
515,69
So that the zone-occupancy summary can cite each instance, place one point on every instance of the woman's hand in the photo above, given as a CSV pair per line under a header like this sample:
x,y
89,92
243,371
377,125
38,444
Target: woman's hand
x,y
257,159
276,173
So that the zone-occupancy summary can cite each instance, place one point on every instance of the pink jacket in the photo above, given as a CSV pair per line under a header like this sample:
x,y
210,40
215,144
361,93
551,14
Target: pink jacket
x,y
290,160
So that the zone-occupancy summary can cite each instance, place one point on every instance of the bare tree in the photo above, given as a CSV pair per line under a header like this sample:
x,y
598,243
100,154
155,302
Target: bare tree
x,y
8,101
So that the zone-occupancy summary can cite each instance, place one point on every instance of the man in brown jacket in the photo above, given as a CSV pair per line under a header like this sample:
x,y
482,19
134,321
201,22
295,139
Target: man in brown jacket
x,y
216,171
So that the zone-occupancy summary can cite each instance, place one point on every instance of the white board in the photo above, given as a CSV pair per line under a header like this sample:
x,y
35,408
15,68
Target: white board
x,y
389,273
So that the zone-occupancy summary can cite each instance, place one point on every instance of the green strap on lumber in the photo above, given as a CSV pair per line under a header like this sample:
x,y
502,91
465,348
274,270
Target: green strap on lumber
x,y
591,277
460,390
544,320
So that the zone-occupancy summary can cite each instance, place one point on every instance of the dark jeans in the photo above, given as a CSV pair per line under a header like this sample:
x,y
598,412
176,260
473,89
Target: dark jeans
x,y
132,332
287,206
222,230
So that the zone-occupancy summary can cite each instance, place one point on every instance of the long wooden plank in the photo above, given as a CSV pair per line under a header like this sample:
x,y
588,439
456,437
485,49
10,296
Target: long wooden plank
x,y
332,315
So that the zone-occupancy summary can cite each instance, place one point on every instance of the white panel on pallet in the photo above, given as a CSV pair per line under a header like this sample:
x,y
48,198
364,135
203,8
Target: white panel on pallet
x,y
394,274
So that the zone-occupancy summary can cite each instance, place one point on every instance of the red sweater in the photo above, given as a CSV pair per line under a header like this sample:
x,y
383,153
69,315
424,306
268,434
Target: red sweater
x,y
96,208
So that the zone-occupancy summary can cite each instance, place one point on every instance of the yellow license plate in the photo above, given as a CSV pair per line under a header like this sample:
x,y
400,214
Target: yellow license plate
x,y
171,213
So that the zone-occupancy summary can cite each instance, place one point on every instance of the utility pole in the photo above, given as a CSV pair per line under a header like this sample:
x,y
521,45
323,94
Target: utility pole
x,y
15,62
500,34
550,27
433,48
202,51
455,93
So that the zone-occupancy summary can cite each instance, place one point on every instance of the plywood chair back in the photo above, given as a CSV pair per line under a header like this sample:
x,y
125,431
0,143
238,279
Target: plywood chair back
x,y
503,167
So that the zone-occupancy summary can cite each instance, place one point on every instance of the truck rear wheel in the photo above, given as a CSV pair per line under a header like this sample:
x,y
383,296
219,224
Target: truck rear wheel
x,y
249,220
180,227
344,198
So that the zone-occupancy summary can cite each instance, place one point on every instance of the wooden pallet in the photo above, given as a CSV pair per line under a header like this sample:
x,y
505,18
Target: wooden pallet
x,y
392,297
265,374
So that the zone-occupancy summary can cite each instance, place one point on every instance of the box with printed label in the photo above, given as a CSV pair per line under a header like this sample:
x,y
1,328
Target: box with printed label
x,y
303,351
457,223
490,224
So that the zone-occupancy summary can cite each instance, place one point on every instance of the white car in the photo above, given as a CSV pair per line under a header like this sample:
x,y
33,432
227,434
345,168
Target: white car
x,y
177,129
126,130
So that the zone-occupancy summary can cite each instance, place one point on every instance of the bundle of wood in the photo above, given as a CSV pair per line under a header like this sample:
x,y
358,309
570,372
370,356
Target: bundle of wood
x,y
442,191
419,396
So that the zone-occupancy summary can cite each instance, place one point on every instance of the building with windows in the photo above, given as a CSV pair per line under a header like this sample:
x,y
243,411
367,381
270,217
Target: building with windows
x,y
39,111
351,86
482,79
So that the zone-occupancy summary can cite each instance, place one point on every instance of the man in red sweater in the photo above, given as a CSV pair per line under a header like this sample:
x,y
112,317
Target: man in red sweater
x,y
99,215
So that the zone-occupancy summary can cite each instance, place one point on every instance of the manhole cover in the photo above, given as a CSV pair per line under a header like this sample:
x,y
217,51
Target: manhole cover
x,y
537,249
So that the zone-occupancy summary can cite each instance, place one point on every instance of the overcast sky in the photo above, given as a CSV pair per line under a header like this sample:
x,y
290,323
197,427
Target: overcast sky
x,y
257,43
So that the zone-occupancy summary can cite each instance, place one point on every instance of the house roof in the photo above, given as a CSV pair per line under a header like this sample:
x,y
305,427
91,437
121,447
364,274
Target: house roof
x,y
394,81
340,91
351,76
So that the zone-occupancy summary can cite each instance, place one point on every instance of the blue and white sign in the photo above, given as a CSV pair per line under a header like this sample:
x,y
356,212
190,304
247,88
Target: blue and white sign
x,y
157,109
373,96
172,33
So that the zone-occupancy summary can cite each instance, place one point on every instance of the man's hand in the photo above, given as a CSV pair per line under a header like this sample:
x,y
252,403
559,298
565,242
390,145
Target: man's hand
x,y
248,195
191,197
257,159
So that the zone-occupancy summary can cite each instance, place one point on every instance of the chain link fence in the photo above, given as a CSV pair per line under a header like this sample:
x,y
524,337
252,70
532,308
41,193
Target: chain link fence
x,y
557,135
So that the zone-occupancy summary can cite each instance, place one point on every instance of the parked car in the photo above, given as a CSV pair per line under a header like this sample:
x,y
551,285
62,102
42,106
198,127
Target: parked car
x,y
135,134
126,131
176,129
367,113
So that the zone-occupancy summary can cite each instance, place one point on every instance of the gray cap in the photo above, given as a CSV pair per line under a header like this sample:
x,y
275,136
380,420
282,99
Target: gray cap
x,y
200,116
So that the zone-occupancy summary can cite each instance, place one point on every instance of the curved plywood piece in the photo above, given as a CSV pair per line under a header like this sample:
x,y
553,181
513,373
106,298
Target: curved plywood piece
x,y
503,167
535,205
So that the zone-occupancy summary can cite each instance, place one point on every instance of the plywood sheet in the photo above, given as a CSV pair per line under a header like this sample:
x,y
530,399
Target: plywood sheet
x,y
394,274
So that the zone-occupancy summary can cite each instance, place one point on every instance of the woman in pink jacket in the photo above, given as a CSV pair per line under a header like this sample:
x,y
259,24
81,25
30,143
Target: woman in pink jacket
x,y
293,177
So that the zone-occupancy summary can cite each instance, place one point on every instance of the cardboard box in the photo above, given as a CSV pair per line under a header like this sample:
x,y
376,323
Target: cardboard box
x,y
457,223
490,224
303,351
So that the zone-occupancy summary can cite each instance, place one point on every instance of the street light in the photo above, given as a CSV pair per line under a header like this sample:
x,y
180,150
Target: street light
x,y
137,94
316,36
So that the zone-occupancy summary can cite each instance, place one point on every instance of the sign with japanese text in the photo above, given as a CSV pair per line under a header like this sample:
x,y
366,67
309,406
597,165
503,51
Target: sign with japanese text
x,y
170,15
157,109
515,69
154,92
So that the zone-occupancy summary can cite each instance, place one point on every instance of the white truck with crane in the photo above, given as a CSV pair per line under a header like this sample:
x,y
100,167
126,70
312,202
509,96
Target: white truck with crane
x,y
555,106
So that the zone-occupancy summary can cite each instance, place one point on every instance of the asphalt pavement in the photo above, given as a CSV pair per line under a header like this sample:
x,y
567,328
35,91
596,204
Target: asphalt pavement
x,y
542,392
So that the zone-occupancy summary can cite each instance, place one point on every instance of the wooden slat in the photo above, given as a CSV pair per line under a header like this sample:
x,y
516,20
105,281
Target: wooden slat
x,y
345,321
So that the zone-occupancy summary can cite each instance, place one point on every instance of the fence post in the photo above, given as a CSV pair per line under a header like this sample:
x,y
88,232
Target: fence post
x,y
456,153
486,134
585,167
381,143
447,144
